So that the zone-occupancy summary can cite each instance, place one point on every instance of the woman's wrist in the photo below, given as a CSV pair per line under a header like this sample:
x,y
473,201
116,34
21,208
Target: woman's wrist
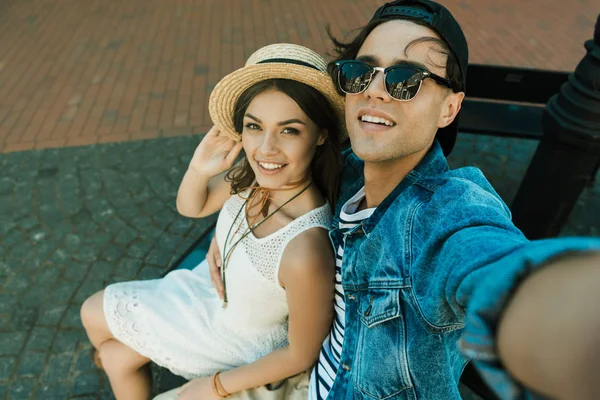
x,y
198,173
227,381
217,386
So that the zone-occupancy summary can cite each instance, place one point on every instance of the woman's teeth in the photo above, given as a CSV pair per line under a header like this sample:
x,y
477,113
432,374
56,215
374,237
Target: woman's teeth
x,y
271,166
376,120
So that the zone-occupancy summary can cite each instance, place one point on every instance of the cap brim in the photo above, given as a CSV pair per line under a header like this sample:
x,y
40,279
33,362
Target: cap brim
x,y
226,93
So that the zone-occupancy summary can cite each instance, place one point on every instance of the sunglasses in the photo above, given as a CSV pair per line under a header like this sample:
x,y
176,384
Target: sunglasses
x,y
402,81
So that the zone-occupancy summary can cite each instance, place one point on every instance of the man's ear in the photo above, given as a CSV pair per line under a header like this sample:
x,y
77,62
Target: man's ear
x,y
322,137
450,108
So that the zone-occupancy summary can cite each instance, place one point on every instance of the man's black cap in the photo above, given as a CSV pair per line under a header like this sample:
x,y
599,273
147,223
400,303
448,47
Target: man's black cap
x,y
438,18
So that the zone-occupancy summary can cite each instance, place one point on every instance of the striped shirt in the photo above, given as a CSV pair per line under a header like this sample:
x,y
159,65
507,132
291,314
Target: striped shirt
x,y
323,375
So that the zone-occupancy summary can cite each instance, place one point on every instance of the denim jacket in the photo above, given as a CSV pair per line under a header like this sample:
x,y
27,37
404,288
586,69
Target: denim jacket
x,y
425,280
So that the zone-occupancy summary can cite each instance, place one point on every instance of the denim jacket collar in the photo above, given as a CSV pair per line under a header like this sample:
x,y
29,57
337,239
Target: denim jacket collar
x,y
432,164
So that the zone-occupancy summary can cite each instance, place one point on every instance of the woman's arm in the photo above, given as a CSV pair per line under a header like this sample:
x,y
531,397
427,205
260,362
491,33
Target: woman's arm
x,y
203,189
307,273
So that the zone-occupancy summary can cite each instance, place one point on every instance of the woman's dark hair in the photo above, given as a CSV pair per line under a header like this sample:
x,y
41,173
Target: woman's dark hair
x,y
326,165
349,50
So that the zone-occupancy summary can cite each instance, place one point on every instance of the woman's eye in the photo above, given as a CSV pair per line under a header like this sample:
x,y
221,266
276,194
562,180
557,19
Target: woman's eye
x,y
291,131
251,126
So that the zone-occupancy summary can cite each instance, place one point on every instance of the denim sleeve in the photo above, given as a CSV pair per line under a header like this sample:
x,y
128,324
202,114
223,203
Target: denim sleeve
x,y
478,258
485,293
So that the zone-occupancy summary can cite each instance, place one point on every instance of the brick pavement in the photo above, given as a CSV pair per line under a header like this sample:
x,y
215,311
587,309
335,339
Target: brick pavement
x,y
77,73
74,219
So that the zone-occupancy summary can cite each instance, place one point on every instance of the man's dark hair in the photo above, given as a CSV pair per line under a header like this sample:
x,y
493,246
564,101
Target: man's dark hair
x,y
349,50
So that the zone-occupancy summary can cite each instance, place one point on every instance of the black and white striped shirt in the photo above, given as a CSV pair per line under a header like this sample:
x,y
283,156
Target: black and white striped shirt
x,y
323,375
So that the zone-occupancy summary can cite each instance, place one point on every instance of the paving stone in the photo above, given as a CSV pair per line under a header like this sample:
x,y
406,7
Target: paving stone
x,y
51,314
7,302
99,239
6,226
58,391
88,397
19,251
32,298
24,318
127,268
5,322
128,211
72,241
48,276
76,272
87,253
66,342
61,292
84,362
21,389
50,214
29,222
40,339
169,241
11,342
164,218
150,272
126,236
181,226
106,393
13,238
88,288
18,282
45,243
7,365
31,364
159,257
72,318
86,383
60,256
101,270
113,253
138,249
58,368
150,234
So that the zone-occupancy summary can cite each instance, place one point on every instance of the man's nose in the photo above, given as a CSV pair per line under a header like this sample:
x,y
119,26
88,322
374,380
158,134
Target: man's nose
x,y
376,89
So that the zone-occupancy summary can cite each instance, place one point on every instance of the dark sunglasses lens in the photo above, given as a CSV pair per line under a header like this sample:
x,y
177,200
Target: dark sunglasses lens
x,y
403,83
354,77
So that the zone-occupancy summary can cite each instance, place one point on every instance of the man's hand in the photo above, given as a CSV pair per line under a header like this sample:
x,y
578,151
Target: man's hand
x,y
197,389
549,336
213,256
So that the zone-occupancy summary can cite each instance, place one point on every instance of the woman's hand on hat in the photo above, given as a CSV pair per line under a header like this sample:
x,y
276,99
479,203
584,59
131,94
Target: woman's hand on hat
x,y
216,153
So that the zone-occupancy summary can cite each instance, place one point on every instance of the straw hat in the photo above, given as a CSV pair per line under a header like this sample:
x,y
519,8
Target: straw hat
x,y
276,61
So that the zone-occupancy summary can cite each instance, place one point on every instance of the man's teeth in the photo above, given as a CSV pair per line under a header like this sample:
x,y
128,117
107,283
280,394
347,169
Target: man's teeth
x,y
376,120
271,166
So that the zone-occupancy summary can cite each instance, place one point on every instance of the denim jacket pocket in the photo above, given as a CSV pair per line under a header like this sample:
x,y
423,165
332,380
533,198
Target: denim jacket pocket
x,y
381,368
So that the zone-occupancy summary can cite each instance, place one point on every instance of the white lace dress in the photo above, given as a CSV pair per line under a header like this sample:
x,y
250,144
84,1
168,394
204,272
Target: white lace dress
x,y
179,322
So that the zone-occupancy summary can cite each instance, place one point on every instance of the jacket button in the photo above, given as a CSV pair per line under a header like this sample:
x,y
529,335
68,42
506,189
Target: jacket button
x,y
346,366
351,297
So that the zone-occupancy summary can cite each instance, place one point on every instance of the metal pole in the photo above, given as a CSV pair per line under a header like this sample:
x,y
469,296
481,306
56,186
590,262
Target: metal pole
x,y
568,155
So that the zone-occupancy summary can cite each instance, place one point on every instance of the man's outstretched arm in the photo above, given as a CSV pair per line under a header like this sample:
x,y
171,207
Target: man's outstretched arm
x,y
549,335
